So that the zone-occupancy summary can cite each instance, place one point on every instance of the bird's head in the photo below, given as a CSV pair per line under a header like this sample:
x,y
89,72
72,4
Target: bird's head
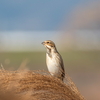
x,y
49,44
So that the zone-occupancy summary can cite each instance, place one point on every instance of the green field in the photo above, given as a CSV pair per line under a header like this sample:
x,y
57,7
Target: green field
x,y
73,60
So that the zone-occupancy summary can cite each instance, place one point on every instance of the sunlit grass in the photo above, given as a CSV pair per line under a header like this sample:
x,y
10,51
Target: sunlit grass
x,y
36,85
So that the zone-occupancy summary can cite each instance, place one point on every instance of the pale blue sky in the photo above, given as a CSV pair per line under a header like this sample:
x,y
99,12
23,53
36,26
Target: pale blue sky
x,y
36,15
24,24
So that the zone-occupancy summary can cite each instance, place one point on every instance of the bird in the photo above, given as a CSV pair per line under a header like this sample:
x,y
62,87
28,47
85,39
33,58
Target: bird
x,y
54,60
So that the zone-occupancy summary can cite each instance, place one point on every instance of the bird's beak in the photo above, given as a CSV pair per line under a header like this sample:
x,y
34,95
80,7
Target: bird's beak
x,y
43,43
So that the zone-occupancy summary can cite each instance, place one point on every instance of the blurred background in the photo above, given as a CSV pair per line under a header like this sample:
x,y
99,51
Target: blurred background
x,y
74,25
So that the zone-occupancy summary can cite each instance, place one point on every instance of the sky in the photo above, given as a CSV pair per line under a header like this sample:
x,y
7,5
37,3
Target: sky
x,y
24,24
36,15
24,41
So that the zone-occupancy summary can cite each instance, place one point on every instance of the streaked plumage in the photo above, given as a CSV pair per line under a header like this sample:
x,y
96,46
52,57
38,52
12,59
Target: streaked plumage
x,y
54,60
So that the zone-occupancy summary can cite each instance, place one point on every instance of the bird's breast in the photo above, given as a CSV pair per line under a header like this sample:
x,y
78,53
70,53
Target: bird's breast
x,y
53,64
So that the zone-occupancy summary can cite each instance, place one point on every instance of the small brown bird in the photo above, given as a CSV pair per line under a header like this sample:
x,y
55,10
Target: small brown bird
x,y
54,60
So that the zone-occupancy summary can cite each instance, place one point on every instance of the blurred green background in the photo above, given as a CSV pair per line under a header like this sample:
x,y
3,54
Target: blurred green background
x,y
73,60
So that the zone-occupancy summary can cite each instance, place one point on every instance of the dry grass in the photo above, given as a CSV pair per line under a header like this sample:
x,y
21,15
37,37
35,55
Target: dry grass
x,y
36,85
